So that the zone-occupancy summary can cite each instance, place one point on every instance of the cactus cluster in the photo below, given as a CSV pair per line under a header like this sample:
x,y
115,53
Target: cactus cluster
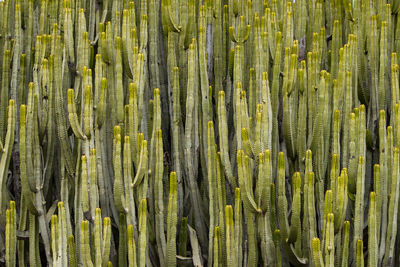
x,y
221,133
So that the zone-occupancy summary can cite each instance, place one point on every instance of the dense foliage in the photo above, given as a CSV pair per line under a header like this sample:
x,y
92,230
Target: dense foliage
x,y
221,133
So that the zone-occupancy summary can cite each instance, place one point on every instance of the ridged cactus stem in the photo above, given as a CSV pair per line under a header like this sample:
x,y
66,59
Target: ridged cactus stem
x,y
276,72
5,81
230,238
277,242
223,133
341,81
359,203
154,125
212,186
327,210
290,96
106,244
336,129
119,94
382,207
26,192
378,202
177,130
11,235
54,238
206,112
359,253
311,205
22,226
141,147
29,138
284,224
217,247
71,251
133,122
289,234
85,245
63,237
183,234
50,131
383,63
172,221
101,170
238,228
159,197
128,186
245,182
340,200
373,56
141,177
123,241
302,119
317,253
34,257
59,110
22,79
98,238
93,184
295,228
143,233
344,254
252,238
336,41
219,45
16,57
392,210
267,122
329,242
190,139
221,190
119,195
394,87
88,108
372,232
346,119
132,261
6,156
84,186
252,93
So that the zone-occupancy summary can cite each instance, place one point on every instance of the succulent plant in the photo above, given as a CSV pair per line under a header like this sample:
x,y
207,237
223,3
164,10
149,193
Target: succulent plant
x,y
199,133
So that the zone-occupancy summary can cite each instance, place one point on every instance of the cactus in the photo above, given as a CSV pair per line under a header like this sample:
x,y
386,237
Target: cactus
x,y
277,122
85,246
7,150
143,233
11,235
131,246
172,222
